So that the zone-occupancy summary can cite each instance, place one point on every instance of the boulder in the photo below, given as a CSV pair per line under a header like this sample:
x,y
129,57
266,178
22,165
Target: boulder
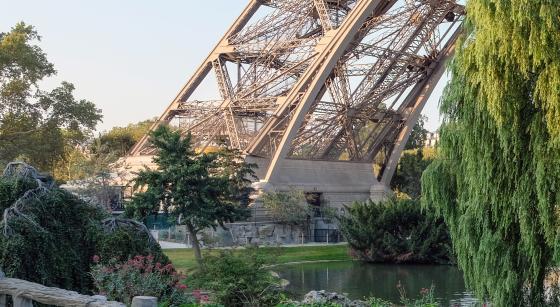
x,y
323,297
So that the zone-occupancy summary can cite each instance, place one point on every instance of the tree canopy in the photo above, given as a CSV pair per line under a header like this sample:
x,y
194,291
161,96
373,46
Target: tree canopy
x,y
287,207
497,177
418,135
119,140
407,179
199,190
36,125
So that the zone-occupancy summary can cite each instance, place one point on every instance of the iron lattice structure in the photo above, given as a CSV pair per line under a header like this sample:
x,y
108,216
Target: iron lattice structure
x,y
319,80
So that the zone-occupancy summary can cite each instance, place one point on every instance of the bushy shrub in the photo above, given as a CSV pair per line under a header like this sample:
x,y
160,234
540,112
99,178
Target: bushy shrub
x,y
51,237
287,207
395,231
238,279
121,281
125,242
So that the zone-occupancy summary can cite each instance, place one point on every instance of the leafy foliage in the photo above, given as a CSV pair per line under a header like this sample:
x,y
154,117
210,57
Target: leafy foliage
x,y
55,247
238,279
395,231
38,126
287,207
140,276
409,173
97,157
53,242
119,140
418,136
124,243
497,179
199,190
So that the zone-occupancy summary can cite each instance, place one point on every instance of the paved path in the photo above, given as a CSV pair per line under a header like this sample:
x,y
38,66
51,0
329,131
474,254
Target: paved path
x,y
172,245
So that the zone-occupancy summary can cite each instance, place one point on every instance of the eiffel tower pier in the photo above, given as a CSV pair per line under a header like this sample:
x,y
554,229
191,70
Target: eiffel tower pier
x,y
321,94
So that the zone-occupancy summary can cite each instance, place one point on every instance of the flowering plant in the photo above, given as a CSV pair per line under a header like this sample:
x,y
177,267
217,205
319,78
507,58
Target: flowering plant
x,y
139,276
426,299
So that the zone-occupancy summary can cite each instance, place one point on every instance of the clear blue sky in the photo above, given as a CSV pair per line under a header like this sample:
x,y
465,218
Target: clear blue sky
x,y
132,57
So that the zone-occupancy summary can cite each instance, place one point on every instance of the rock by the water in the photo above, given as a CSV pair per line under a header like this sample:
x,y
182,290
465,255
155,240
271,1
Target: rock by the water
x,y
323,297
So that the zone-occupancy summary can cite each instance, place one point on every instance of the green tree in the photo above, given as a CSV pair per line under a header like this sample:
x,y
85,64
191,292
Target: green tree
x,y
418,135
119,140
36,125
198,190
288,207
409,173
496,180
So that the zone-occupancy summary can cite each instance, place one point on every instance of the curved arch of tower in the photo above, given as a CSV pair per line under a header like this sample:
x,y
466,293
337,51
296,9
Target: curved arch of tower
x,y
321,94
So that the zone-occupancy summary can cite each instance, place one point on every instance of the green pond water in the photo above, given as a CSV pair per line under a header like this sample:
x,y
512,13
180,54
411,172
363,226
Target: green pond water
x,y
359,280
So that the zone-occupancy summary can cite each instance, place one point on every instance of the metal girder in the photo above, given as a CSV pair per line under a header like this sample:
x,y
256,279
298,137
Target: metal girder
x,y
328,80
199,75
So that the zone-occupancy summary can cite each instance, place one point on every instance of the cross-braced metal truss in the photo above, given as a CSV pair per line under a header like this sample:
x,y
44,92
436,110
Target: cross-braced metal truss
x,y
334,80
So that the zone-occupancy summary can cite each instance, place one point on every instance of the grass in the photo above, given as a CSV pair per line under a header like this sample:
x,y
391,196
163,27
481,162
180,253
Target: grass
x,y
183,259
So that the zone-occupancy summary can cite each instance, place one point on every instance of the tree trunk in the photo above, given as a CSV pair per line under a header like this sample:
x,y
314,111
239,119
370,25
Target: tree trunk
x,y
195,243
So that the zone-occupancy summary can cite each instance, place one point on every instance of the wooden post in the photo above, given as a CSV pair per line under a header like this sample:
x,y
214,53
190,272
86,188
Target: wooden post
x,y
20,301
144,301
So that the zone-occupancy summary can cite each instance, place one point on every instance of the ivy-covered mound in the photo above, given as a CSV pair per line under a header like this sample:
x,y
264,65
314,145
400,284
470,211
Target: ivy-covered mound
x,y
50,236
497,178
395,231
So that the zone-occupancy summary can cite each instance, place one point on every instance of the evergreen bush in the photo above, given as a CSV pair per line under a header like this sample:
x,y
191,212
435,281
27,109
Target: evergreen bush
x,y
395,231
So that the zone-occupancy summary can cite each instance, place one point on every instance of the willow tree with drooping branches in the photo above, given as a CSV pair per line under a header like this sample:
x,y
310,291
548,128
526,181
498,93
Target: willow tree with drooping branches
x,y
497,177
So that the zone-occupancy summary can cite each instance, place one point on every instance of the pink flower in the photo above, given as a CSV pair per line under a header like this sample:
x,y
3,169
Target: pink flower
x,y
196,293
169,268
181,286
95,259
204,298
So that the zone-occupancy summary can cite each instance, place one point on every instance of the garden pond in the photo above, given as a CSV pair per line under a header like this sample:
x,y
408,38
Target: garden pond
x,y
359,280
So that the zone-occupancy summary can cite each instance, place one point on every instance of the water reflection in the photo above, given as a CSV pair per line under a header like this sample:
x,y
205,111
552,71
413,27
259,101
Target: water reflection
x,y
362,280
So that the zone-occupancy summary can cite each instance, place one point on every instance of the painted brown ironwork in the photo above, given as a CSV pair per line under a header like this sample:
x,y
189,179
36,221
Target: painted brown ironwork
x,y
319,80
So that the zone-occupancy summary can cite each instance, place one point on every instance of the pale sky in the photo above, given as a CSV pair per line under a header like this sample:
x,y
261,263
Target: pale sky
x,y
132,57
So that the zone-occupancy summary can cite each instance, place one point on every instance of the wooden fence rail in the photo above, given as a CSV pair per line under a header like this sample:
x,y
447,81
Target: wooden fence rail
x,y
24,293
